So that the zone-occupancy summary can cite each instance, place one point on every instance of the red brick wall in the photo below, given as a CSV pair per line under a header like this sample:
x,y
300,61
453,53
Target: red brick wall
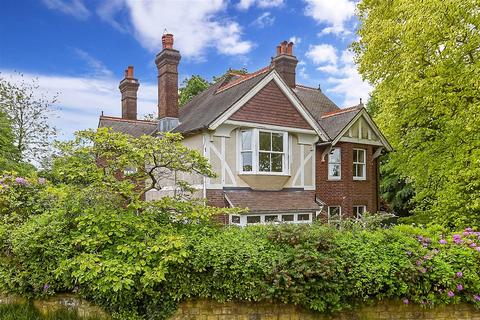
x,y
215,198
271,106
347,192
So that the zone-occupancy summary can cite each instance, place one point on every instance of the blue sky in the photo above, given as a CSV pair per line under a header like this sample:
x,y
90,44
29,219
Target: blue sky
x,y
79,48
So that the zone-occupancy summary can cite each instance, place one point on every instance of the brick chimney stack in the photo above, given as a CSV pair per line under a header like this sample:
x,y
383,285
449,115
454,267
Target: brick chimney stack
x,y
129,87
285,63
167,64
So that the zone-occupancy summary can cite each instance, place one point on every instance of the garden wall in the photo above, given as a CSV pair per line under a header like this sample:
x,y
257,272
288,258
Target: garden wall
x,y
210,310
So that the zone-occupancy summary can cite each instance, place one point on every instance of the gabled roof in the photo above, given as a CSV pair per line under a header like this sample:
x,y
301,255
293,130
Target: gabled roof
x,y
315,101
272,201
135,128
213,102
334,122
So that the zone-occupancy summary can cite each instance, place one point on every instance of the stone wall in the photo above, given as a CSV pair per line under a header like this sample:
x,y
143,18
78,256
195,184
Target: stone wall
x,y
71,302
210,310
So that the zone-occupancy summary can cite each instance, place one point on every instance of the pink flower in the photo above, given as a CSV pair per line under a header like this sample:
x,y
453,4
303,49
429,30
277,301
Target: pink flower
x,y
478,249
451,294
423,270
472,245
459,287
41,180
459,274
442,241
20,181
476,297
406,301
468,229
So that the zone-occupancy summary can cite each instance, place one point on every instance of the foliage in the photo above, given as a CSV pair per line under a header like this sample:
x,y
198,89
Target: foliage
x,y
190,88
29,113
98,160
426,79
28,312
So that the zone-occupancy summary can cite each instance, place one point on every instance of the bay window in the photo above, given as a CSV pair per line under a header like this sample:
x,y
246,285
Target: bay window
x,y
335,164
263,151
359,164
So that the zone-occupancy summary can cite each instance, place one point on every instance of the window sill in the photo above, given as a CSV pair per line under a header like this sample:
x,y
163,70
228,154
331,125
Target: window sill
x,y
270,174
359,179
330,179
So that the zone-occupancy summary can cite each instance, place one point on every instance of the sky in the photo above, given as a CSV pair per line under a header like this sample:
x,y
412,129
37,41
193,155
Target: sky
x,y
79,49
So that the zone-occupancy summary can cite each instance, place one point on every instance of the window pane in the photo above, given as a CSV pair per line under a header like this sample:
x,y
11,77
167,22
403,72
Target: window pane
x,y
334,213
355,170
236,219
355,155
253,219
277,142
265,141
287,217
247,140
334,156
247,161
334,170
264,162
277,162
303,217
272,218
361,156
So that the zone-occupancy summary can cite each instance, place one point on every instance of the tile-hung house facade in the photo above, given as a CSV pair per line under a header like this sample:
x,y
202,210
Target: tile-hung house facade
x,y
284,151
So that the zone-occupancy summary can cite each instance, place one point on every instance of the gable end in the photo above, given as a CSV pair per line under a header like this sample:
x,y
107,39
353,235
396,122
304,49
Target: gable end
x,y
271,106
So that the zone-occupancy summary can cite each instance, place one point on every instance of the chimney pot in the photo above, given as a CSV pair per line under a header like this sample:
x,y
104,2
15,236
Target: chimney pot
x,y
129,74
167,41
283,47
290,49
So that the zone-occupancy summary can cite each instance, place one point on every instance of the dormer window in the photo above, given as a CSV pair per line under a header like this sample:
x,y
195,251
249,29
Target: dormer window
x,y
263,151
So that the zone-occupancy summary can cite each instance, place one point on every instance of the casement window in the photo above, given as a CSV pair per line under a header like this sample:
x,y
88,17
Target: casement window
x,y
263,151
335,164
334,214
250,219
358,211
359,164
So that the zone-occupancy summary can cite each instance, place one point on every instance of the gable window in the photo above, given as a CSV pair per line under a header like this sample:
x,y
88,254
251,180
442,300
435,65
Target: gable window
x,y
334,214
359,164
358,211
263,151
335,164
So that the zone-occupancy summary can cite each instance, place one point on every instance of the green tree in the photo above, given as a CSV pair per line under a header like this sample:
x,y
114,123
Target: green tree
x,y
29,111
8,154
190,88
423,59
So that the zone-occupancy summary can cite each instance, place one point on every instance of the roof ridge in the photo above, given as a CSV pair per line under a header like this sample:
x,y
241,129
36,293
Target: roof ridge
x,y
307,87
345,110
127,120
243,78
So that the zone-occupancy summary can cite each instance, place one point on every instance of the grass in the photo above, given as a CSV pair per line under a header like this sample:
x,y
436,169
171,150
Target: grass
x,y
28,312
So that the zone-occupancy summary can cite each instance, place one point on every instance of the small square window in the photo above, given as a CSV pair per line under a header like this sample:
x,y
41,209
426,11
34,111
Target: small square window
x,y
287,217
359,164
303,217
271,218
235,219
334,214
253,219
358,211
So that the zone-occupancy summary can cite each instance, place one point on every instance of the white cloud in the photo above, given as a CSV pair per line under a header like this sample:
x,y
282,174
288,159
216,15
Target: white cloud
x,y
196,27
81,99
75,8
246,4
97,68
264,20
107,11
322,53
333,13
295,40
328,68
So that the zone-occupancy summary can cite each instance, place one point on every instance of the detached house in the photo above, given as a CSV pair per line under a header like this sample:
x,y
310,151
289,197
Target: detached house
x,y
284,151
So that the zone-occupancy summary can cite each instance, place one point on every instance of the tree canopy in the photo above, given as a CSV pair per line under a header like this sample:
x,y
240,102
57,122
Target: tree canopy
x,y
190,88
423,58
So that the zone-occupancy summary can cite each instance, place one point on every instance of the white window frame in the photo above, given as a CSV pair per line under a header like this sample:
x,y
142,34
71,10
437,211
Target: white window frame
x,y
256,152
334,178
358,163
355,211
243,218
340,213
